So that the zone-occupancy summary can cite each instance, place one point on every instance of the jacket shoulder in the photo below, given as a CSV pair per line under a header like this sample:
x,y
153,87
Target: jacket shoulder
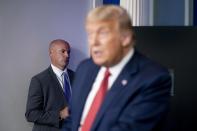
x,y
44,74
87,66
87,62
147,63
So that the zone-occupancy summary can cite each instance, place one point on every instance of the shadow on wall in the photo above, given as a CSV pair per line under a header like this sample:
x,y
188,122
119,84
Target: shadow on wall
x,y
76,57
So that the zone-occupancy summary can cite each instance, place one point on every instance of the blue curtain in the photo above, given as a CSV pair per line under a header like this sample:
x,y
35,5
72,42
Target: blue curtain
x,y
115,2
195,13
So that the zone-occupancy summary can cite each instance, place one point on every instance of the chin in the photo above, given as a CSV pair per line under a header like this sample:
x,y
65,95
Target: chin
x,y
97,62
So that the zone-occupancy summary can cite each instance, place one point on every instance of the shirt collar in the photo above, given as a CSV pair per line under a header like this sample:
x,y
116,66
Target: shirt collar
x,y
58,71
118,67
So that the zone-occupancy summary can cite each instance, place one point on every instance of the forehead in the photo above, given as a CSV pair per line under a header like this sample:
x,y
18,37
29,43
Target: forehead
x,y
105,24
61,45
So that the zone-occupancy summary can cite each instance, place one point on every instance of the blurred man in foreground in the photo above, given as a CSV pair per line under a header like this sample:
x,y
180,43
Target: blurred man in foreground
x,y
118,88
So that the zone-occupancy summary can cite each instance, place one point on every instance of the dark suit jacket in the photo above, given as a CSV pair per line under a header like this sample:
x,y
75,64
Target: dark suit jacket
x,y
139,105
45,100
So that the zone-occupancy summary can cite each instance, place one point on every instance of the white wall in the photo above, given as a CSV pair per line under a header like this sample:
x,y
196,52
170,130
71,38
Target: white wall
x,y
26,28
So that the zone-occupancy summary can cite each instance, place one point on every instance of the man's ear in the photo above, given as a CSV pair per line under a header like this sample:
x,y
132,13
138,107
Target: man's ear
x,y
126,38
50,52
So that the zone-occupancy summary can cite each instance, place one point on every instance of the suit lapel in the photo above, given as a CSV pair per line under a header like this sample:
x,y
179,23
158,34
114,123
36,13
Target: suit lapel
x,y
87,82
71,75
55,82
120,83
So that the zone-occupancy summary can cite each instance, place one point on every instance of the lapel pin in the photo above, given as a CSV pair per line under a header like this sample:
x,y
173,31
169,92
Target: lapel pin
x,y
124,82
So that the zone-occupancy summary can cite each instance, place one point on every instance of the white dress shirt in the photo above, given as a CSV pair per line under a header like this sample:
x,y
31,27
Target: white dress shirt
x,y
115,71
60,76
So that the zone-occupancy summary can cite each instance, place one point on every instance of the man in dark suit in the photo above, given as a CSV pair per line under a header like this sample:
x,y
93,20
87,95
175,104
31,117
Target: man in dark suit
x,y
117,89
47,106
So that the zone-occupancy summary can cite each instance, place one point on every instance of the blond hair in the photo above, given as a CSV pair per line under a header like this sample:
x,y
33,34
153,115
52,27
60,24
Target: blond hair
x,y
111,12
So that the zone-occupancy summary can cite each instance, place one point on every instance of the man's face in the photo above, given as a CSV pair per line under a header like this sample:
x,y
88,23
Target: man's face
x,y
105,42
60,54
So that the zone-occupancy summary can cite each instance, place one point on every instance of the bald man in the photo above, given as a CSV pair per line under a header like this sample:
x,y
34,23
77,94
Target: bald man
x,y
47,106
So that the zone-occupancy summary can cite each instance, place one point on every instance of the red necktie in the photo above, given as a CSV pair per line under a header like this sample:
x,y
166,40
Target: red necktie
x,y
96,103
